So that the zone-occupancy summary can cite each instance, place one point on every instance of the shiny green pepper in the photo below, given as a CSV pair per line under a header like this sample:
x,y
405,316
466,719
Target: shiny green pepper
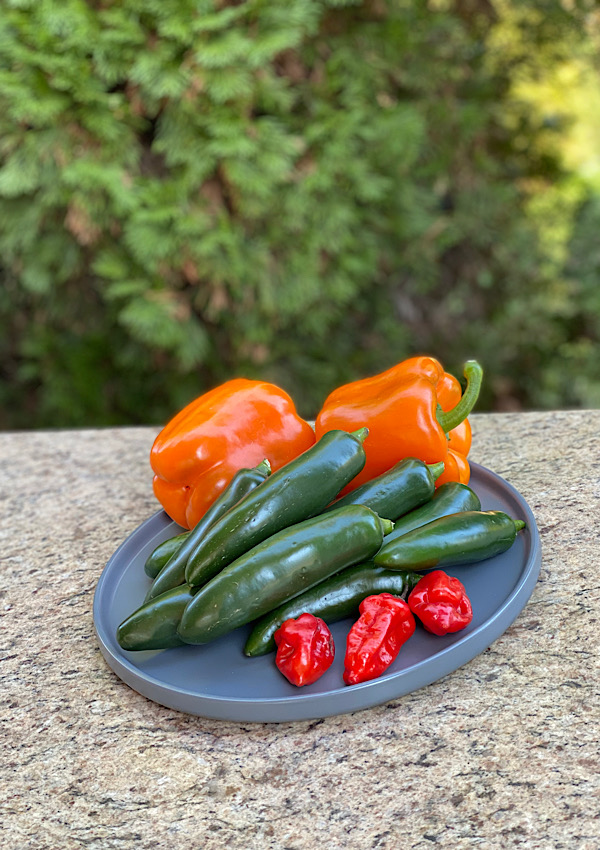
x,y
280,568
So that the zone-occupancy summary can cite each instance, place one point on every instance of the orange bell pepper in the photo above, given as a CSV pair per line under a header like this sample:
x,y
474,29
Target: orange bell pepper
x,y
414,409
231,427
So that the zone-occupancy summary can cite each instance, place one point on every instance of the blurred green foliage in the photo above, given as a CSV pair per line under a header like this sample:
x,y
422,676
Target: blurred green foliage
x,y
305,191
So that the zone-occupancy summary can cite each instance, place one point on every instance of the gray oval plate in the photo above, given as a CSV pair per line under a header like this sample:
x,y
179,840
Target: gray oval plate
x,y
218,681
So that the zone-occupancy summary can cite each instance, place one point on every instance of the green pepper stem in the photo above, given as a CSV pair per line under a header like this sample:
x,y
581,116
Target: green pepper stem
x,y
387,525
264,467
451,419
519,524
361,435
436,469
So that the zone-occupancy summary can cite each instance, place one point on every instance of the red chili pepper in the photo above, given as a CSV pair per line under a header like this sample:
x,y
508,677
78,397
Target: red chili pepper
x,y
375,639
305,649
441,603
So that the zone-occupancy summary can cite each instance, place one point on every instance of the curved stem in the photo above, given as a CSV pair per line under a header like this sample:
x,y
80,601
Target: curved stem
x,y
450,419
386,525
264,467
361,435
436,469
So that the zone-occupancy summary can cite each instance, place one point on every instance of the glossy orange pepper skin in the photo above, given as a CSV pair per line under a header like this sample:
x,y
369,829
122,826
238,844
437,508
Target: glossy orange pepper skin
x,y
399,408
457,467
234,426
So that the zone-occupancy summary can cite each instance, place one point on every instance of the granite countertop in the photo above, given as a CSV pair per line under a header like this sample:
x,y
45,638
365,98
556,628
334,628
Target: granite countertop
x,y
501,753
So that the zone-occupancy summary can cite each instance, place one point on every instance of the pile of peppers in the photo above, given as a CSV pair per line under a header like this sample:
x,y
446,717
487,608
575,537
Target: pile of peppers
x,y
414,409
290,528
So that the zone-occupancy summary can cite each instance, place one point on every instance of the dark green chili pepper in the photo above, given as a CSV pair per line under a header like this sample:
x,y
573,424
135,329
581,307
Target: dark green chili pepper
x,y
283,566
449,498
300,489
154,624
242,483
163,552
461,538
405,486
331,600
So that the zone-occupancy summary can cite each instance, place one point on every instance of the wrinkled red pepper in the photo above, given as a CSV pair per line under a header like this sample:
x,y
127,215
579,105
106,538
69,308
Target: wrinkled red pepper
x,y
305,649
441,603
375,639
414,409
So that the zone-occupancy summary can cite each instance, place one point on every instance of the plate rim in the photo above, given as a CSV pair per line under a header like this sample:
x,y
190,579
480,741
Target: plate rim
x,y
362,696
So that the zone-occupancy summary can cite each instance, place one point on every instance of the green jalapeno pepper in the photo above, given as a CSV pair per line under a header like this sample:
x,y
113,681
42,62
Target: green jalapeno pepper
x,y
461,538
242,483
299,490
405,486
154,624
331,600
450,498
281,567
164,551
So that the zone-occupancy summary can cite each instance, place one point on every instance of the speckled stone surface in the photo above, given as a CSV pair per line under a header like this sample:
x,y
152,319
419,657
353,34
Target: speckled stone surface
x,y
502,753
